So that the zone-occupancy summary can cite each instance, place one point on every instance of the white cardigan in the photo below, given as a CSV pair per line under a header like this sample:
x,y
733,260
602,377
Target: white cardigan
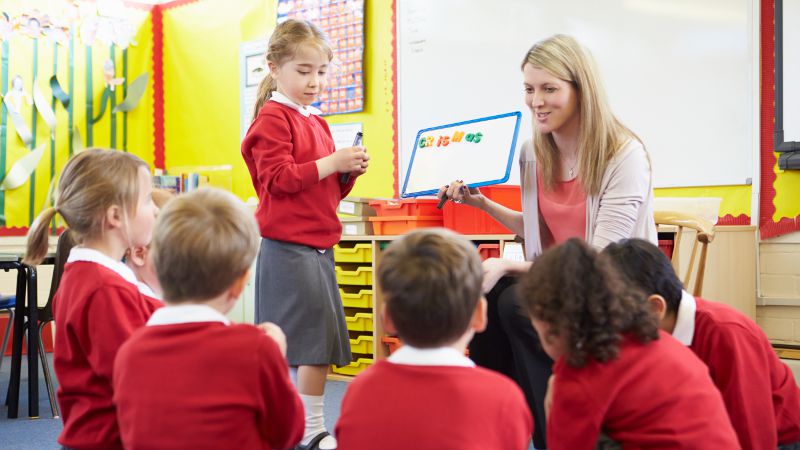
x,y
624,208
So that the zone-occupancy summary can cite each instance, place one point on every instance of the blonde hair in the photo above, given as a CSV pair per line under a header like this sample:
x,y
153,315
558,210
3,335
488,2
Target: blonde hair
x,y
601,134
162,196
283,44
203,241
431,280
91,182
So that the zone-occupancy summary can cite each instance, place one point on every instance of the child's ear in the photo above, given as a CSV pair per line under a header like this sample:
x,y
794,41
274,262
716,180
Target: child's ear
x,y
479,318
138,255
238,286
658,305
386,319
113,217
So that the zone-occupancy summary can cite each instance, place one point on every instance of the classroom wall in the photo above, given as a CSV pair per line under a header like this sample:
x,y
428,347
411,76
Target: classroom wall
x,y
201,87
21,205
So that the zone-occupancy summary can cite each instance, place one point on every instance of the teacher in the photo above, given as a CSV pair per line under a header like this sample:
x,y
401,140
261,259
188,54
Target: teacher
x,y
584,174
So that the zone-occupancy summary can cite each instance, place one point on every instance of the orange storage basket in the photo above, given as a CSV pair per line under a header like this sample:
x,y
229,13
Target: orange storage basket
x,y
403,224
468,220
406,207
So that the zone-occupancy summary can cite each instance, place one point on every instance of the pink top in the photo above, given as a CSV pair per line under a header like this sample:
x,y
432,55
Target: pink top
x,y
563,209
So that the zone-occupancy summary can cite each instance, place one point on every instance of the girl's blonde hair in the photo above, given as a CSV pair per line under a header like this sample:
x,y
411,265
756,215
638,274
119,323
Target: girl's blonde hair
x,y
283,44
91,182
600,135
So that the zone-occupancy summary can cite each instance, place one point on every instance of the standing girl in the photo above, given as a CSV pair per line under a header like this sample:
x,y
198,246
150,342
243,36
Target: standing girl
x,y
584,175
296,170
105,198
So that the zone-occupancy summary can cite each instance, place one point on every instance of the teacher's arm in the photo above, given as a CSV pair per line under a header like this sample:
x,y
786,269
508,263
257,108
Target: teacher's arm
x,y
623,197
460,193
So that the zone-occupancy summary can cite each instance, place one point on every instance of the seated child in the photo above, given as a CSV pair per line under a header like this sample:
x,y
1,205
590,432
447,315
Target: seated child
x,y
104,198
190,378
427,394
759,391
615,372
136,257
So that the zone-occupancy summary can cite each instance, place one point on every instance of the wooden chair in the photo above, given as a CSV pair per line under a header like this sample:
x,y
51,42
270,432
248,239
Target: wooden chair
x,y
705,235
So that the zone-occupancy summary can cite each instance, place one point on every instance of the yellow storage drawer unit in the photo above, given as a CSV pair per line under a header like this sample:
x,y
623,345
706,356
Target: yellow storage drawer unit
x,y
359,322
354,368
360,299
363,344
360,253
358,276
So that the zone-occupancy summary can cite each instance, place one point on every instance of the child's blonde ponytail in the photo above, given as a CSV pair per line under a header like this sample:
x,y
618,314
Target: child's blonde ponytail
x,y
265,89
39,238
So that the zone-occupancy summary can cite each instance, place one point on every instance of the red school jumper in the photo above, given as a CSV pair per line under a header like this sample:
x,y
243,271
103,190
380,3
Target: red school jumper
x,y
281,149
654,395
759,391
96,309
399,407
201,383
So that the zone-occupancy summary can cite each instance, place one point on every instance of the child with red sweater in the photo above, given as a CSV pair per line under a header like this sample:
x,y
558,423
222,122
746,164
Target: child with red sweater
x,y
300,178
759,391
190,378
615,372
104,198
427,394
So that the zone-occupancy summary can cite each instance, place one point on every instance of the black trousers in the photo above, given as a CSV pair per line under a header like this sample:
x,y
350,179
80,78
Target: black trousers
x,y
511,346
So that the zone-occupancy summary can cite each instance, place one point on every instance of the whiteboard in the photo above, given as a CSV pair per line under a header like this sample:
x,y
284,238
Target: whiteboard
x,y
480,152
791,71
682,74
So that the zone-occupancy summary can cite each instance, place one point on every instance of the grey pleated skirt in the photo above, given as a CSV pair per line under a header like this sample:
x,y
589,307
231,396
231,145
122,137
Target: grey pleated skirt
x,y
296,289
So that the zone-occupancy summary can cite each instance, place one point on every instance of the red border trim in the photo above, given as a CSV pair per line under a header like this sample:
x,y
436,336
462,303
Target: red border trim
x,y
395,136
729,219
158,87
768,227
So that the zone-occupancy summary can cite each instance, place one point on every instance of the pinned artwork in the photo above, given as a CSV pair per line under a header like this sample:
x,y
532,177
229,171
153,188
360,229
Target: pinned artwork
x,y
343,22
13,100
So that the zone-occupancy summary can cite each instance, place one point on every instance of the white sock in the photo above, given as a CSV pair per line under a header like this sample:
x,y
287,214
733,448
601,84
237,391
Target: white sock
x,y
315,421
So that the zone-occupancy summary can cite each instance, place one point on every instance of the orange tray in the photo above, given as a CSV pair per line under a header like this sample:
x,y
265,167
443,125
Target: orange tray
x,y
403,224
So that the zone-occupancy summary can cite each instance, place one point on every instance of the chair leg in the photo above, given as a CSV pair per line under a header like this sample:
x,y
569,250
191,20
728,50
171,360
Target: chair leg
x,y
47,379
5,336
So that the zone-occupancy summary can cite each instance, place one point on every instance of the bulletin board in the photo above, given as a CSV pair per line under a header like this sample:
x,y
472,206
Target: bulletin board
x,y
72,76
343,22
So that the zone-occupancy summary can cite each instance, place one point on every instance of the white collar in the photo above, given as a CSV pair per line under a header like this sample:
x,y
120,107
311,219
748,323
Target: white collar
x,y
684,322
302,109
144,289
94,256
440,356
192,313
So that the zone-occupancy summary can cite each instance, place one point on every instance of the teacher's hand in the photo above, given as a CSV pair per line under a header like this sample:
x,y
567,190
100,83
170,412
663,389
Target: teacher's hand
x,y
493,270
460,193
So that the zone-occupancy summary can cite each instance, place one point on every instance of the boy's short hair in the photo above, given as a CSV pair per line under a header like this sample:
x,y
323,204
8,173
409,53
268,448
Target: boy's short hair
x,y
647,268
431,281
162,196
203,241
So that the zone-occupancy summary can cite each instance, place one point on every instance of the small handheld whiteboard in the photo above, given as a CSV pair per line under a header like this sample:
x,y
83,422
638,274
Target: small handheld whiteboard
x,y
479,151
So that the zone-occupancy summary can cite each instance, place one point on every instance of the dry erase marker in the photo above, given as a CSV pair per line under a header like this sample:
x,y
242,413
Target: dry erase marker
x,y
356,142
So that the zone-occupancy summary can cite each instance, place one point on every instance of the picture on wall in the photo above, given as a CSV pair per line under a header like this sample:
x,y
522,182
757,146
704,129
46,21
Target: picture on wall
x,y
343,22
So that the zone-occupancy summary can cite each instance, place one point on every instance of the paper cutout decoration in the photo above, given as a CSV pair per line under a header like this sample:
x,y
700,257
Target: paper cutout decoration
x,y
6,27
22,169
108,75
77,142
44,108
58,92
135,92
13,100
103,104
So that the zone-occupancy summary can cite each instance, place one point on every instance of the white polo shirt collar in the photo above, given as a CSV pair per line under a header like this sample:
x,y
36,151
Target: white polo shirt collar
x,y
302,109
94,256
192,313
440,356
684,322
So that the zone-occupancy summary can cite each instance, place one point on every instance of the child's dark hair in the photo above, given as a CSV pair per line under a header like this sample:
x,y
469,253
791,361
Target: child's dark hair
x,y
647,268
283,44
570,289
431,282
